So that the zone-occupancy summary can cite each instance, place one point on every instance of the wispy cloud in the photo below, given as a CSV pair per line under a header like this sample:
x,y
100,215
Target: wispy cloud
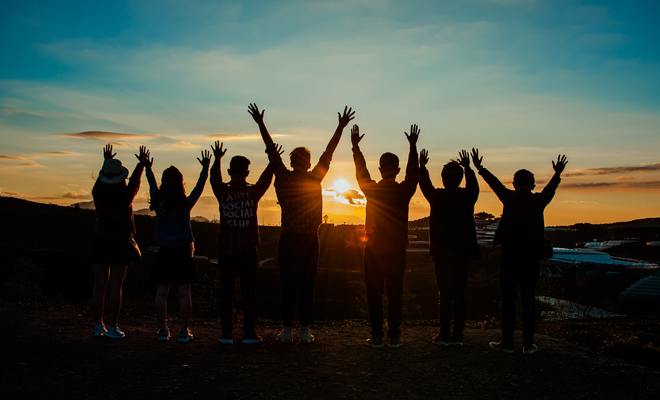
x,y
639,185
615,170
105,136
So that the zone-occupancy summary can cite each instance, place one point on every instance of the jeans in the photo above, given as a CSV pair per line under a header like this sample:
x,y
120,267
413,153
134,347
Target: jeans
x,y
383,273
244,266
518,270
451,273
298,259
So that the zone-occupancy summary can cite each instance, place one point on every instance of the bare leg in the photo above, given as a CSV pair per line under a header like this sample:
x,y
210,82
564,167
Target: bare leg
x,y
162,292
185,305
117,276
101,277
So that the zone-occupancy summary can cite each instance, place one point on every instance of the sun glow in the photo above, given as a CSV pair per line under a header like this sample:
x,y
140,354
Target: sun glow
x,y
341,186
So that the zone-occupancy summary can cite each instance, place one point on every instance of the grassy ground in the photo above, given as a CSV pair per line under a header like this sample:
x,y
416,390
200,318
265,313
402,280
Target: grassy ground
x,y
49,353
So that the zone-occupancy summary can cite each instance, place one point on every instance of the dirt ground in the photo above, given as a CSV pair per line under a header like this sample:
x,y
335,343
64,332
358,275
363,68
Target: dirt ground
x,y
50,354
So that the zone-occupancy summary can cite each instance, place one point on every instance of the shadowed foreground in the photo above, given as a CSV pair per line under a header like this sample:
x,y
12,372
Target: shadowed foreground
x,y
44,354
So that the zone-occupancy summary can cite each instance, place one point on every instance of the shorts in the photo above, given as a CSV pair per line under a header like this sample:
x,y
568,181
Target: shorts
x,y
174,265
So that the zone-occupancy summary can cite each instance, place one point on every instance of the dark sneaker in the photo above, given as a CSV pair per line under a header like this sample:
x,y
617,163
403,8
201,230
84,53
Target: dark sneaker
x,y
163,335
185,336
395,342
499,346
530,349
440,340
115,333
99,331
252,340
375,343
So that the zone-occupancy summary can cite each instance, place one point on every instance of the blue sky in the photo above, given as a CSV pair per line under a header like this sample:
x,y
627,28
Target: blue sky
x,y
522,79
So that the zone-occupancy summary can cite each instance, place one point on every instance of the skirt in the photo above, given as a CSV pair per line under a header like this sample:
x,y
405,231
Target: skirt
x,y
175,265
111,250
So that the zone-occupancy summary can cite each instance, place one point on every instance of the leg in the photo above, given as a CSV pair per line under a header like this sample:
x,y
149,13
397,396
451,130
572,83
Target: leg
x,y
308,267
185,304
101,278
374,280
162,292
396,266
117,276
248,276
508,285
227,284
443,278
528,290
459,282
287,276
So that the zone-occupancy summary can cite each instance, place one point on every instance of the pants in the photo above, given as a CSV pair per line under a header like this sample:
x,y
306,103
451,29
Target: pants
x,y
383,272
298,259
451,273
518,271
244,266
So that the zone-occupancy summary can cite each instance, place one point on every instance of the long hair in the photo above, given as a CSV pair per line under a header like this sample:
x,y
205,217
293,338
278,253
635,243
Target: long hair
x,y
171,195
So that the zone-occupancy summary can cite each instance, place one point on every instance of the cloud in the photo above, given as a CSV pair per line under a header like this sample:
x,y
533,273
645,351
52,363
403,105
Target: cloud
x,y
645,185
10,157
615,170
351,197
104,136
247,136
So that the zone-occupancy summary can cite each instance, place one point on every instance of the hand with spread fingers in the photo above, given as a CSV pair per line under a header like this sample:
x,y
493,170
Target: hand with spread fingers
x,y
144,157
476,159
218,149
257,115
414,134
206,158
355,136
560,164
464,159
107,152
346,117
423,158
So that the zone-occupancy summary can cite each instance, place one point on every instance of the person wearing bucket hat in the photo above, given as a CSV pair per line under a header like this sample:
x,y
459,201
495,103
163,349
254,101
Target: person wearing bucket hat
x,y
113,242
175,268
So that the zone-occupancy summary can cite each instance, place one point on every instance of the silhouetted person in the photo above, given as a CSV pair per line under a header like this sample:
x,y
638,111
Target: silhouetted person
x,y
175,268
453,239
299,194
386,228
238,240
521,235
113,243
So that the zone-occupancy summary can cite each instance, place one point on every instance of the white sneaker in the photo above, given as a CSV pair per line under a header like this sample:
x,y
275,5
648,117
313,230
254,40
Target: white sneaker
x,y
285,335
115,333
530,349
499,346
306,336
225,340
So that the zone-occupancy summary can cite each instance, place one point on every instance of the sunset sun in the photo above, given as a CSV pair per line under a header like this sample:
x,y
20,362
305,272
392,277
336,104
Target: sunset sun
x,y
341,185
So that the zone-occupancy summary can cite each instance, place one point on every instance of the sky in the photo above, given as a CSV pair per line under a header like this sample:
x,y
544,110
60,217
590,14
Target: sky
x,y
522,80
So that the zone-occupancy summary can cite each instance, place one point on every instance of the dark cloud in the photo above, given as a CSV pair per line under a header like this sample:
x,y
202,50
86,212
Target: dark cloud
x,y
615,170
104,135
10,157
647,185
76,196
353,197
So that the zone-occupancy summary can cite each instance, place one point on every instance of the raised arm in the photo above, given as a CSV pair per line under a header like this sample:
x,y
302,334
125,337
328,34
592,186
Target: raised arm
x,y
550,188
361,171
216,169
322,167
424,179
266,177
201,181
412,168
471,184
274,156
498,188
134,181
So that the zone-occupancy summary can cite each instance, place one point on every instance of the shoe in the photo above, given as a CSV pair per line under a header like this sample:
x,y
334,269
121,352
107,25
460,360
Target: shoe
x,y
285,335
375,343
456,343
99,331
225,340
163,335
395,342
531,349
115,333
252,340
306,336
440,341
185,336
499,346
